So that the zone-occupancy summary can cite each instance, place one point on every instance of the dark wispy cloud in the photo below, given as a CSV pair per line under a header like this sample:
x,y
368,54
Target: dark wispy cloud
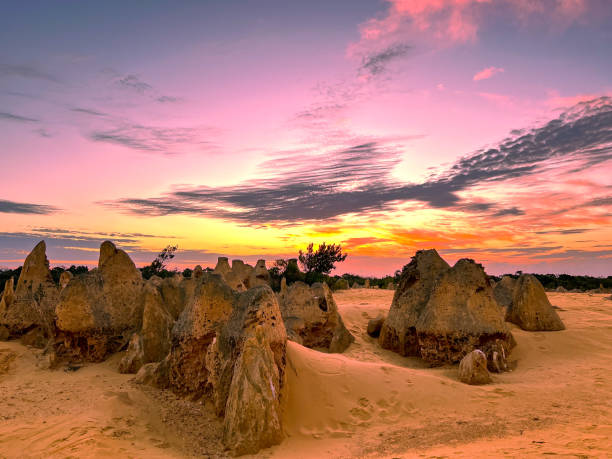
x,y
565,231
511,211
12,207
359,179
132,83
18,118
377,62
168,99
25,71
153,138
87,111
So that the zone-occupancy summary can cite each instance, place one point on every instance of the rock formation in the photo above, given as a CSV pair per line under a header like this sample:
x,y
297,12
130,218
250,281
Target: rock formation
x,y
65,279
411,296
473,368
441,313
530,308
504,290
32,304
312,319
260,275
98,311
561,289
230,347
375,326
462,315
152,342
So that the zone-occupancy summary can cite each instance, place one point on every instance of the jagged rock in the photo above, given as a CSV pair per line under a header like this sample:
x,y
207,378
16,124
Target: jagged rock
x,y
197,272
230,347
260,275
99,311
530,308
283,285
341,284
375,326
414,290
312,319
462,315
243,272
222,267
133,359
32,303
65,278
252,412
153,374
238,277
504,290
473,368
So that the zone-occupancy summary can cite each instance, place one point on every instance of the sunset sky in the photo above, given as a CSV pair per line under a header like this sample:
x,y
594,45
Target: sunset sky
x,y
481,128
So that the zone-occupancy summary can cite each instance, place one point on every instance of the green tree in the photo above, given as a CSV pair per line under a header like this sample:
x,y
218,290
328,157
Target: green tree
x,y
323,260
158,266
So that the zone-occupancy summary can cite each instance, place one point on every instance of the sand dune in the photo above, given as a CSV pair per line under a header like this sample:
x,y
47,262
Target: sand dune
x,y
367,402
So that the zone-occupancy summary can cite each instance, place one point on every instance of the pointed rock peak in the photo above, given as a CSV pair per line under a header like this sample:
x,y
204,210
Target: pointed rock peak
x,y
107,250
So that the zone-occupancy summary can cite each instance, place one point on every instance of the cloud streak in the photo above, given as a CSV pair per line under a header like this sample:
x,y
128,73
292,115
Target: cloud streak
x,y
18,118
358,179
12,207
377,62
487,73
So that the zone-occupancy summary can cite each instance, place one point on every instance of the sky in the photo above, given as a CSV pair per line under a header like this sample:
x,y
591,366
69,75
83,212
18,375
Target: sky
x,y
481,128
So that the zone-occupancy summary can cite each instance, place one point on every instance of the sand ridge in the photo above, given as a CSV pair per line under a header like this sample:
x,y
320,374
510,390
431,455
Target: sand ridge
x,y
367,402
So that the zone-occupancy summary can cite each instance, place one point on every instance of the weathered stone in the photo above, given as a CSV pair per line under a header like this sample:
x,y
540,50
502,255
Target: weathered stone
x,y
197,272
133,359
414,290
562,289
65,278
504,291
375,326
530,309
260,275
252,413
223,266
99,311
32,303
312,319
462,315
4,333
366,284
473,368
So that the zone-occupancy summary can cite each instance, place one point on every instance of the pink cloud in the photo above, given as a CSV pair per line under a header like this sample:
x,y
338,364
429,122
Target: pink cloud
x,y
487,73
448,22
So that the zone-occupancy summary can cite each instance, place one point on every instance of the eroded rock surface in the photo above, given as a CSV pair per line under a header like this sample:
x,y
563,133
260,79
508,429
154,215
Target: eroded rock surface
x,y
530,308
32,304
462,315
504,291
312,319
473,368
98,311
416,284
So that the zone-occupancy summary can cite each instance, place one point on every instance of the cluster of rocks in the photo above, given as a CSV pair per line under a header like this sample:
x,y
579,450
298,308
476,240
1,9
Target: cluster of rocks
x,y
241,276
220,335
526,304
311,317
447,314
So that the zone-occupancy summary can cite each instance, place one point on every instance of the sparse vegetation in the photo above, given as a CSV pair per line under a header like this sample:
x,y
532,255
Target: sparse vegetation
x,y
158,265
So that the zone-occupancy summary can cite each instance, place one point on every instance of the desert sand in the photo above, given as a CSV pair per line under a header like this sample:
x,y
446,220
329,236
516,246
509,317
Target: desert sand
x,y
367,402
